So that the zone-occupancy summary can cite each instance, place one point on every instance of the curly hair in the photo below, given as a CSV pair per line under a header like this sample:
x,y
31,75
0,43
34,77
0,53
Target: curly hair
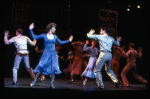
x,y
50,26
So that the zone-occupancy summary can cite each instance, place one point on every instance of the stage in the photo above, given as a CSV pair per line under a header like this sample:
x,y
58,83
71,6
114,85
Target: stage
x,y
63,88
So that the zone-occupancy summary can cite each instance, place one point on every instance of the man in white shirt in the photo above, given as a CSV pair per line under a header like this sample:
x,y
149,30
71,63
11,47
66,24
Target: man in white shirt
x,y
20,42
105,56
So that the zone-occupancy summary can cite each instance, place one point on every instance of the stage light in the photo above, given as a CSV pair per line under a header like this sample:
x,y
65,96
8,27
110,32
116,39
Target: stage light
x,y
138,6
128,9
129,5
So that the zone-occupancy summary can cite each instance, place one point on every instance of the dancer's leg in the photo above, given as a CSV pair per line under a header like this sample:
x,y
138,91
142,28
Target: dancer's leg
x,y
18,59
99,64
36,77
52,80
109,71
26,61
84,81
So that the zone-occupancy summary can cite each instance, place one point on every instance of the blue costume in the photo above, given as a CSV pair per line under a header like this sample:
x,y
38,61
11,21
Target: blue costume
x,y
48,64
105,56
89,71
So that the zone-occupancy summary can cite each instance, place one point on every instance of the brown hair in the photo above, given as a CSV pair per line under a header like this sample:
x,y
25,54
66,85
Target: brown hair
x,y
20,31
50,26
132,45
93,40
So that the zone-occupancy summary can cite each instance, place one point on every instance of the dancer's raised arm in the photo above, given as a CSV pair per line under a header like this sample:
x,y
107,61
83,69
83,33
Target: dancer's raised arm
x,y
32,34
64,42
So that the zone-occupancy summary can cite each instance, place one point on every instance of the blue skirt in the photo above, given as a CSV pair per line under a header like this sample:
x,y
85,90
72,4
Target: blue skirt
x,y
89,71
48,64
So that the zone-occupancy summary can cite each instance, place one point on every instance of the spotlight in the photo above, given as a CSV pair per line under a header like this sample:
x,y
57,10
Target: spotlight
x,y
129,5
128,9
138,6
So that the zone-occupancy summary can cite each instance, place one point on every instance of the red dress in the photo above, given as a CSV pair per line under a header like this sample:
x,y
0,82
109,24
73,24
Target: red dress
x,y
77,65
115,60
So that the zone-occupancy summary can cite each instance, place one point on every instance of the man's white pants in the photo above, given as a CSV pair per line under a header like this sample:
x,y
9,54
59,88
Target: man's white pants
x,y
18,59
104,57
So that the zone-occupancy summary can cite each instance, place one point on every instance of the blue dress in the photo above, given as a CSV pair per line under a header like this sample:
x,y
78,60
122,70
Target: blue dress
x,y
89,71
48,64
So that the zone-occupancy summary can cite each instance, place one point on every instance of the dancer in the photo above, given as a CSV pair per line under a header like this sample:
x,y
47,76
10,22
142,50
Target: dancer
x,y
48,64
105,56
115,61
85,56
70,59
20,42
39,52
76,68
131,55
93,51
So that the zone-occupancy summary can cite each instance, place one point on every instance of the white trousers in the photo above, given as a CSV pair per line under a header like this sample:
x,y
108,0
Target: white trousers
x,y
104,57
17,61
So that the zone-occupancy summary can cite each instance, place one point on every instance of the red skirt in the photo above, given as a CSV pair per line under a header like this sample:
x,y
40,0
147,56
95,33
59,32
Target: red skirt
x,y
76,67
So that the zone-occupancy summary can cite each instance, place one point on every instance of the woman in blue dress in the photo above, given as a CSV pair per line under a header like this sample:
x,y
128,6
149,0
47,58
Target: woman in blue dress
x,y
48,64
93,51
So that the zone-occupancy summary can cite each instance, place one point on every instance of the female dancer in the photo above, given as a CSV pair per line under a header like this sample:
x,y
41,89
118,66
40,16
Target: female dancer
x,y
115,61
48,64
76,68
68,69
93,51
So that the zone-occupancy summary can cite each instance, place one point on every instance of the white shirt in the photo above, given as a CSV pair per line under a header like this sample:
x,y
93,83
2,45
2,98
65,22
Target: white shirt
x,y
20,43
105,41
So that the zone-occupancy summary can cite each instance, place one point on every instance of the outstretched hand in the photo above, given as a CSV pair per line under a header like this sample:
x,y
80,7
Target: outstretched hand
x,y
92,31
31,26
71,38
6,33
119,38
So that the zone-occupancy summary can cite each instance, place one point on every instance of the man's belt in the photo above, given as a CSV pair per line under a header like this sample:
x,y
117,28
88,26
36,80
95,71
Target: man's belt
x,y
105,51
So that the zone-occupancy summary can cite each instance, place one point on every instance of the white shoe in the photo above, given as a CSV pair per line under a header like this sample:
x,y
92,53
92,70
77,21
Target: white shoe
x,y
31,84
84,82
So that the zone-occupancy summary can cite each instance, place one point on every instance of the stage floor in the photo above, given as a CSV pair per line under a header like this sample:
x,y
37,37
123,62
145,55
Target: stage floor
x,y
64,88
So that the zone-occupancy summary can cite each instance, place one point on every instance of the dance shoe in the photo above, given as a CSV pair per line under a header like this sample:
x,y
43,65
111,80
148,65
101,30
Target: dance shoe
x,y
84,82
52,85
99,89
14,83
117,85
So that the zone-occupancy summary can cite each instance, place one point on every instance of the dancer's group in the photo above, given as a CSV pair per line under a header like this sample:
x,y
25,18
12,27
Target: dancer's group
x,y
48,64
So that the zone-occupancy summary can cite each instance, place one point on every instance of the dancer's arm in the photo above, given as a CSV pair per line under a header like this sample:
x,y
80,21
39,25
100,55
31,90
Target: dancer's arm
x,y
86,48
140,52
90,34
30,42
32,34
117,43
74,45
7,42
63,42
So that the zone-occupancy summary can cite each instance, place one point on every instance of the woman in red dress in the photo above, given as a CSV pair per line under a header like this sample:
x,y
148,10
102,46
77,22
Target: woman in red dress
x,y
115,61
76,68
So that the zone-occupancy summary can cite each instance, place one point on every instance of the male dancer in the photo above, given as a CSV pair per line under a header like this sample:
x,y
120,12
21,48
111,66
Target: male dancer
x,y
131,55
105,56
20,42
